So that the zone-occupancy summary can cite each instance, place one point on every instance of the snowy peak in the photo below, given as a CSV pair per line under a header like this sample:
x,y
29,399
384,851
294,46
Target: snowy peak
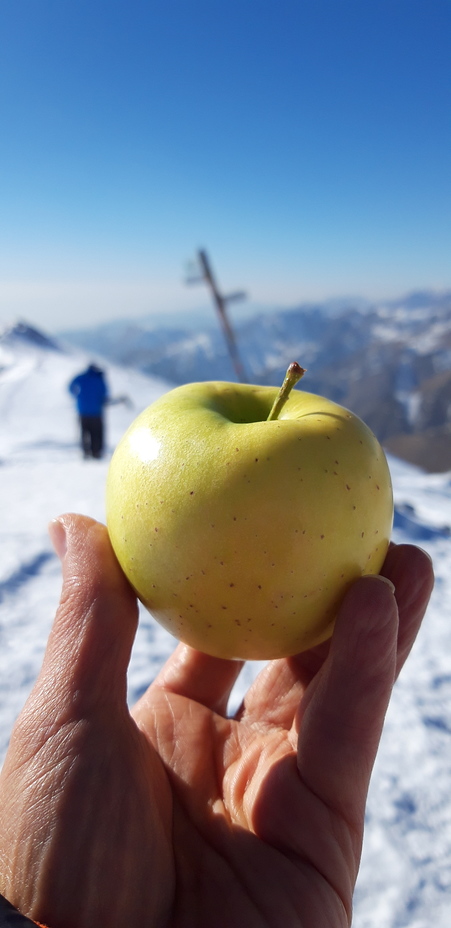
x,y
22,333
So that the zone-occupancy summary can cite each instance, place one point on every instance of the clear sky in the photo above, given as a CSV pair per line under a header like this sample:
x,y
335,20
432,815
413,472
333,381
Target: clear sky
x,y
305,143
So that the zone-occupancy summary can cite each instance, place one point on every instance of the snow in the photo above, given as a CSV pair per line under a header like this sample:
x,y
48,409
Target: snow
x,y
405,876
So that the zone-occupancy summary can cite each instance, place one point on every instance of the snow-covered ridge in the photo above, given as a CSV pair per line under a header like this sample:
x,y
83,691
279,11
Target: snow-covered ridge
x,y
405,878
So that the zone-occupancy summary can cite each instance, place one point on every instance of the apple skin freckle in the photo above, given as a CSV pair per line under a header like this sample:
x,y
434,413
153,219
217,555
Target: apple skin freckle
x,y
269,516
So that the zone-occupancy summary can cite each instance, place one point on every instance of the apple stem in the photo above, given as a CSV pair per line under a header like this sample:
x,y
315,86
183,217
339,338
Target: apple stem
x,y
293,374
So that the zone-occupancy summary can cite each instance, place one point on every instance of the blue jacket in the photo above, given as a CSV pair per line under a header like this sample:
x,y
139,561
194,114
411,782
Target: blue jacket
x,y
90,391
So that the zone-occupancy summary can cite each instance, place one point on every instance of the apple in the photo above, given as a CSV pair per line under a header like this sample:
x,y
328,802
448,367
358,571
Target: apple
x,y
241,514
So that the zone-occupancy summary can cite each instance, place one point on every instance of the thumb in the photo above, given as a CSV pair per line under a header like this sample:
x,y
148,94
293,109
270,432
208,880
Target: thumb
x,y
88,651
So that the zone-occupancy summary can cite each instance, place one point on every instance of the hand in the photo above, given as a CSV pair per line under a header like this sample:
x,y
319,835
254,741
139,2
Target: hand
x,y
176,815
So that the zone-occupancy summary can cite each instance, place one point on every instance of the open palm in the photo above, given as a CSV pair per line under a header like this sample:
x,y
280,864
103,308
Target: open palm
x,y
176,815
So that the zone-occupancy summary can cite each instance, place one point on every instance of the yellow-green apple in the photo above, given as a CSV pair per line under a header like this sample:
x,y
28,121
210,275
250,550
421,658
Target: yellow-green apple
x,y
241,514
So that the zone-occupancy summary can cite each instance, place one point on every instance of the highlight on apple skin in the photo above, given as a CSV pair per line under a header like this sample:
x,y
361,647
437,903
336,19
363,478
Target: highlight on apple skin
x,y
241,533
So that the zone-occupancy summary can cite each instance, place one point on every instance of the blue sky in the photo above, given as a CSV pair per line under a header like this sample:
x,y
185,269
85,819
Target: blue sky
x,y
306,145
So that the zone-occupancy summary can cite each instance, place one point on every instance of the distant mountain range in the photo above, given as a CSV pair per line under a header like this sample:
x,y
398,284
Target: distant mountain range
x,y
389,362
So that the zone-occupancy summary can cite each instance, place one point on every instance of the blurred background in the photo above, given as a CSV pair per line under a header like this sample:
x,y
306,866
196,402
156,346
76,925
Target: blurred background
x,y
202,189
306,146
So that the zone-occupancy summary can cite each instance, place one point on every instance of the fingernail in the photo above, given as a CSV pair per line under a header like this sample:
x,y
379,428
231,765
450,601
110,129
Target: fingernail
x,y
381,578
388,582
57,534
426,553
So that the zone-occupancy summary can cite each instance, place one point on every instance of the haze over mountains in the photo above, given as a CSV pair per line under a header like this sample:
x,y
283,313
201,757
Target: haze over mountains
x,y
389,362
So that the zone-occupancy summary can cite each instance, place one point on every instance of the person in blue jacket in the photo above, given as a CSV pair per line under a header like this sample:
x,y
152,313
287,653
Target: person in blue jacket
x,y
91,393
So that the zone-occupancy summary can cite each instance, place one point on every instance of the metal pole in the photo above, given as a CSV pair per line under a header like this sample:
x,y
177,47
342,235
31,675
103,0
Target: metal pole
x,y
220,303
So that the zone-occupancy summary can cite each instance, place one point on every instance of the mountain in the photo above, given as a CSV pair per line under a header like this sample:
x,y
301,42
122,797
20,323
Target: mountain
x,y
404,878
23,332
37,412
389,362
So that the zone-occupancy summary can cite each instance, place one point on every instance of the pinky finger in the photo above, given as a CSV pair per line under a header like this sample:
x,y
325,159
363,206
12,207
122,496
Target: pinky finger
x,y
410,570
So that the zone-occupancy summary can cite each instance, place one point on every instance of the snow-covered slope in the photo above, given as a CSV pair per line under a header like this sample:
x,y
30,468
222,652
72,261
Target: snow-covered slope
x,y
405,878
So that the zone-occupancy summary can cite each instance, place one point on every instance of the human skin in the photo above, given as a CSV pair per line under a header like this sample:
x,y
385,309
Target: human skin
x,y
175,815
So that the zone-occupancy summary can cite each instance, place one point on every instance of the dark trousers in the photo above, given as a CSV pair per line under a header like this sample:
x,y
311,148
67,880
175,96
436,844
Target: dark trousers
x,y
91,436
